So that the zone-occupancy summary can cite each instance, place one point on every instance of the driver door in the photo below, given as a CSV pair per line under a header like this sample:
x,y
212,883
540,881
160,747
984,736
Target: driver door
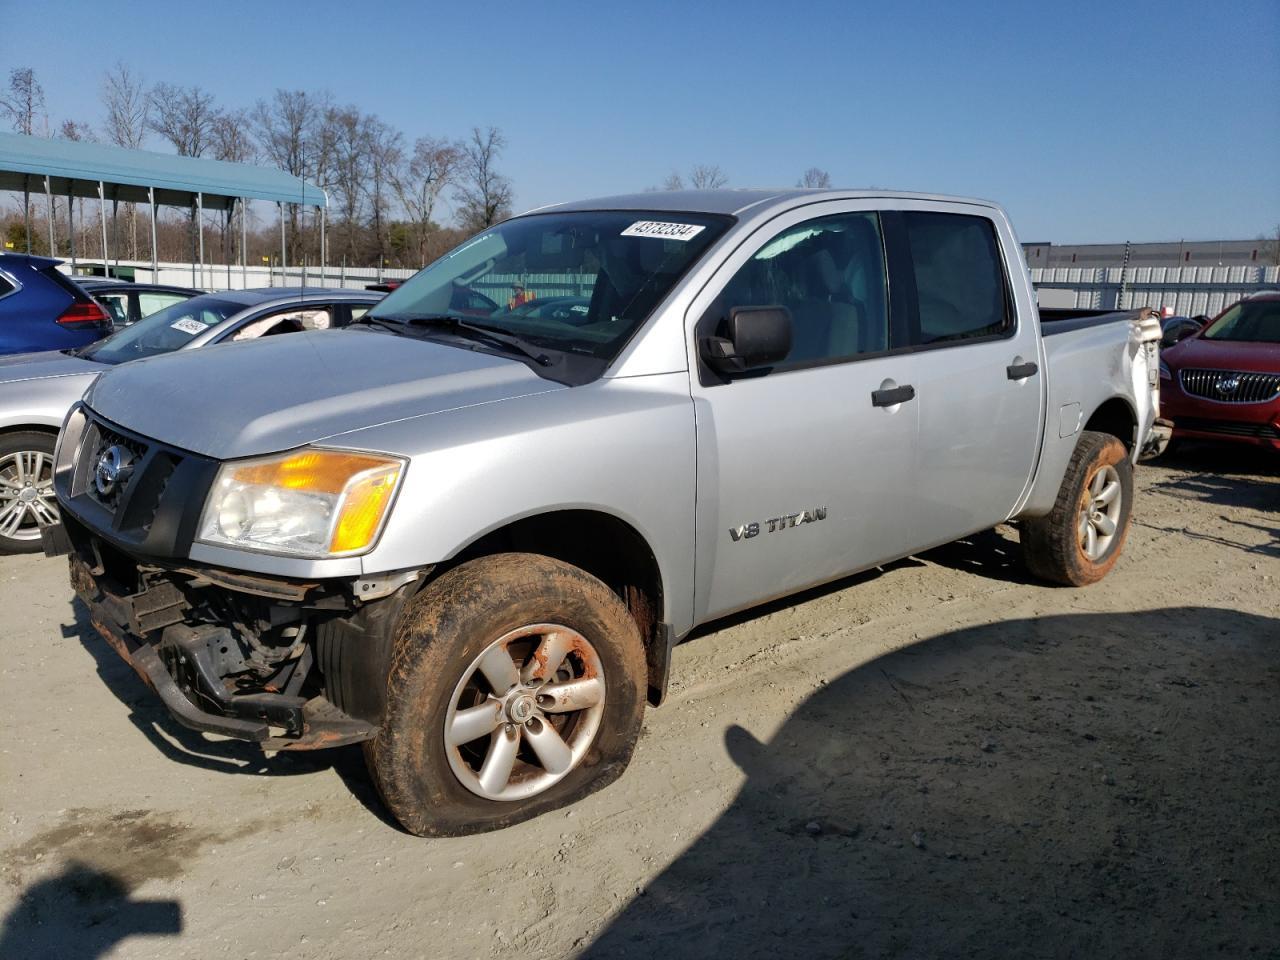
x,y
802,477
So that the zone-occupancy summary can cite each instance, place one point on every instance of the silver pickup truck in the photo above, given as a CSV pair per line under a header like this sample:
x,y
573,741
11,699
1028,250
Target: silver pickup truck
x,y
469,529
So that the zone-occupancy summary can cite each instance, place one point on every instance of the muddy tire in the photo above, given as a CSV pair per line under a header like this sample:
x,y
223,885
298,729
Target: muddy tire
x,y
516,687
26,489
1080,539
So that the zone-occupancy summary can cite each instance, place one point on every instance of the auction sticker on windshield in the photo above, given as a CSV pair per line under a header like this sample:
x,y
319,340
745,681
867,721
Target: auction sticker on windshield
x,y
187,325
662,230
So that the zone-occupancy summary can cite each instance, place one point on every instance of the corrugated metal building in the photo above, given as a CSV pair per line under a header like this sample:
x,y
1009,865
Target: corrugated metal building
x,y
1188,253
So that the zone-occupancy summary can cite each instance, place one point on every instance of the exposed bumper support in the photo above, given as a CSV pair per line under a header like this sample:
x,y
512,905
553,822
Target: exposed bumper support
x,y
182,671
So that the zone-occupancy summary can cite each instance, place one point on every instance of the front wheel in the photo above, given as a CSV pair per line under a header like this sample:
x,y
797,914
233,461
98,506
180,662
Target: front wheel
x,y
516,687
1079,540
27,502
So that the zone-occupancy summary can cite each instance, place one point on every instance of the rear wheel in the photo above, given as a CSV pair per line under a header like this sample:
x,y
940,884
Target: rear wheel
x,y
516,687
26,490
1079,541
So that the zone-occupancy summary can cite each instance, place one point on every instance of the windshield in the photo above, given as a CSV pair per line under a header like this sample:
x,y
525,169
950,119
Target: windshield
x,y
1255,320
163,331
579,283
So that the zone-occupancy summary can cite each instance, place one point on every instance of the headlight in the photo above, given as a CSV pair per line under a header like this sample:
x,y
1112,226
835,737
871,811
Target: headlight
x,y
1164,371
309,503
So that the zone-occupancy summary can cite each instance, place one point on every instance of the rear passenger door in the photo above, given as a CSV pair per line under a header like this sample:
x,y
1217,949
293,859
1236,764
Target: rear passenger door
x,y
973,359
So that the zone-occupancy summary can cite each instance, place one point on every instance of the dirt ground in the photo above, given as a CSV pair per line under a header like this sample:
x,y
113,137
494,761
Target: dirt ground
x,y
938,759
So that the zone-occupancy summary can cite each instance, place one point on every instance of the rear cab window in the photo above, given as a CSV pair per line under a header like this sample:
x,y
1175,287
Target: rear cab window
x,y
961,291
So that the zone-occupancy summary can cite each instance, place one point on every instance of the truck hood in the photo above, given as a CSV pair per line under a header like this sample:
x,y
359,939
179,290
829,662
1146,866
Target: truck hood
x,y
41,366
263,396
1196,352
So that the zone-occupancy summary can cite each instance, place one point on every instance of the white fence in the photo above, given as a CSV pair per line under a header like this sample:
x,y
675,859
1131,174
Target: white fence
x,y
1187,290
222,277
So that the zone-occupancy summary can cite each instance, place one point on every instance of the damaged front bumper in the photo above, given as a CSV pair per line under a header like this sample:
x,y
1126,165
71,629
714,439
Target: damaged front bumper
x,y
194,663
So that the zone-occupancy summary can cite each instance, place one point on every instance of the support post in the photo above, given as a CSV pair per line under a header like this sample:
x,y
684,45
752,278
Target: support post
x,y
71,223
48,196
283,249
115,225
226,234
324,261
26,210
102,218
155,264
244,245
200,233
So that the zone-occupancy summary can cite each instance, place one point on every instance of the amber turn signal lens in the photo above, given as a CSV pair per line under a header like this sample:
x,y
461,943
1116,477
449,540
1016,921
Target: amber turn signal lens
x,y
363,508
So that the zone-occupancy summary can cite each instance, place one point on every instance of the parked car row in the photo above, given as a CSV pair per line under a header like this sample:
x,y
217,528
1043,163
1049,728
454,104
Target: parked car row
x,y
43,309
38,389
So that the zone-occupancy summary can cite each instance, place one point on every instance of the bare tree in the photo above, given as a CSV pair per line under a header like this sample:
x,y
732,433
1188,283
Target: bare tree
x,y
75,130
815,177
707,177
229,137
483,195
348,168
23,100
386,156
420,182
184,116
124,98
289,127
673,182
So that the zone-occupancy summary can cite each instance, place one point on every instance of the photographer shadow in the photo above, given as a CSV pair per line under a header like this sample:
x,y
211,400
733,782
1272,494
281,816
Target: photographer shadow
x,y
1080,786
81,913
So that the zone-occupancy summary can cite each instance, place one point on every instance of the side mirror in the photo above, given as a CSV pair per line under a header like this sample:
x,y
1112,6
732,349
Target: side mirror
x,y
1178,330
756,337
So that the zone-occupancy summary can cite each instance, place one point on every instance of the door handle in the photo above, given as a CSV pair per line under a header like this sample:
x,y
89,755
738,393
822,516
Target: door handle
x,y
1020,371
896,395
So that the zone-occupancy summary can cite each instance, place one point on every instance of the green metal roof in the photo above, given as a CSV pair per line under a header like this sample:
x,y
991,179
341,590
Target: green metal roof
x,y
77,167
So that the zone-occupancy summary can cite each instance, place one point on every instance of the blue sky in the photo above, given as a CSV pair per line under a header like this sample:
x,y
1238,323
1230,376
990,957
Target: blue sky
x,y
1091,122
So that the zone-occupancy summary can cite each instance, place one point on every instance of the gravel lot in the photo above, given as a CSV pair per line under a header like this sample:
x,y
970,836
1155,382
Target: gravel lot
x,y
937,759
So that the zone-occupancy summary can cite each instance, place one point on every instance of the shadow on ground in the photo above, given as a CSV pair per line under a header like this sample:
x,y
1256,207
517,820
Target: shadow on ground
x,y
79,914
1073,786
1230,476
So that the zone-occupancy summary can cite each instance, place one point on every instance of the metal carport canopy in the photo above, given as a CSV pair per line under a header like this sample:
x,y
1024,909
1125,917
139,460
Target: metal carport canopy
x,y
78,168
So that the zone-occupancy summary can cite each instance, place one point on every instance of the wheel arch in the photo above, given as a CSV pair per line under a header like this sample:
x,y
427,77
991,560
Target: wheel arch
x,y
1117,417
605,546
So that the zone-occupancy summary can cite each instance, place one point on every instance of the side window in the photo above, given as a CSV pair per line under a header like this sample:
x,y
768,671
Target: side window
x,y
959,277
285,321
117,307
149,303
358,310
830,274
6,287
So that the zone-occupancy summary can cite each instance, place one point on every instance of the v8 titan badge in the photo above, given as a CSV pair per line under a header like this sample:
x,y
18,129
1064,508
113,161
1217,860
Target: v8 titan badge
x,y
784,522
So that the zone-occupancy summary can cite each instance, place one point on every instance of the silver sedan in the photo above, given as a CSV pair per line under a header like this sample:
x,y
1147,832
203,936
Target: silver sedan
x,y
37,389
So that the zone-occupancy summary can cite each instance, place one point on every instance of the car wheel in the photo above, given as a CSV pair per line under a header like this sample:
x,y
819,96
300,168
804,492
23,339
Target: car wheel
x,y
516,687
26,490
1079,540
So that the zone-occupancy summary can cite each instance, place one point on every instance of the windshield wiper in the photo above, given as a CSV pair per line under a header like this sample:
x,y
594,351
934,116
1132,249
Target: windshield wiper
x,y
475,331
391,325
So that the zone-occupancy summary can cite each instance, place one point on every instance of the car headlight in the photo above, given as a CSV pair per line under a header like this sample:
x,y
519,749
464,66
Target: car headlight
x,y
1164,371
308,503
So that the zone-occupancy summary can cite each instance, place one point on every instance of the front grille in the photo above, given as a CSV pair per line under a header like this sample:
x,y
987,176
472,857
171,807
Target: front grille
x,y
1229,428
133,498
1231,386
101,439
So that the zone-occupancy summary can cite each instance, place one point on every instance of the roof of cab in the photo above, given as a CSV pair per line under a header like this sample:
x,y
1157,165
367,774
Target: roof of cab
x,y
738,202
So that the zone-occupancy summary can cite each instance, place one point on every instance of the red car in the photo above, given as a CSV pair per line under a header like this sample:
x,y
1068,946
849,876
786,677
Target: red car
x,y
1223,382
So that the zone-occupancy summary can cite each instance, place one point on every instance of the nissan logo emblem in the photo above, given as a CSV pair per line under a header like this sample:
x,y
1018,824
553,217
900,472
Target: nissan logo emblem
x,y
113,468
